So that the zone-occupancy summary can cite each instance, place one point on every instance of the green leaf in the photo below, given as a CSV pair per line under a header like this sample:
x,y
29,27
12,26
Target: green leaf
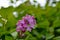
x,y
56,38
39,35
49,36
8,38
30,37
58,30
56,23
51,29
14,34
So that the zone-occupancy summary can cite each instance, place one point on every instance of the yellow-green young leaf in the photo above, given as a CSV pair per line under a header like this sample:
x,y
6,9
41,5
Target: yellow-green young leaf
x,y
2,31
7,13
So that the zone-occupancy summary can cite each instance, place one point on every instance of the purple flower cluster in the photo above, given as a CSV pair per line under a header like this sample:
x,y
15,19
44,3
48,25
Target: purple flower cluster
x,y
26,24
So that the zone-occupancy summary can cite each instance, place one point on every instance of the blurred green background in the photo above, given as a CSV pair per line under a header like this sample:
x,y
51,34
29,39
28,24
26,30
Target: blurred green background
x,y
47,27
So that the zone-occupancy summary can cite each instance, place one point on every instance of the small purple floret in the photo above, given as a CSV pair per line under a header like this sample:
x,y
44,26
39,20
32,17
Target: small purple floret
x,y
26,24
